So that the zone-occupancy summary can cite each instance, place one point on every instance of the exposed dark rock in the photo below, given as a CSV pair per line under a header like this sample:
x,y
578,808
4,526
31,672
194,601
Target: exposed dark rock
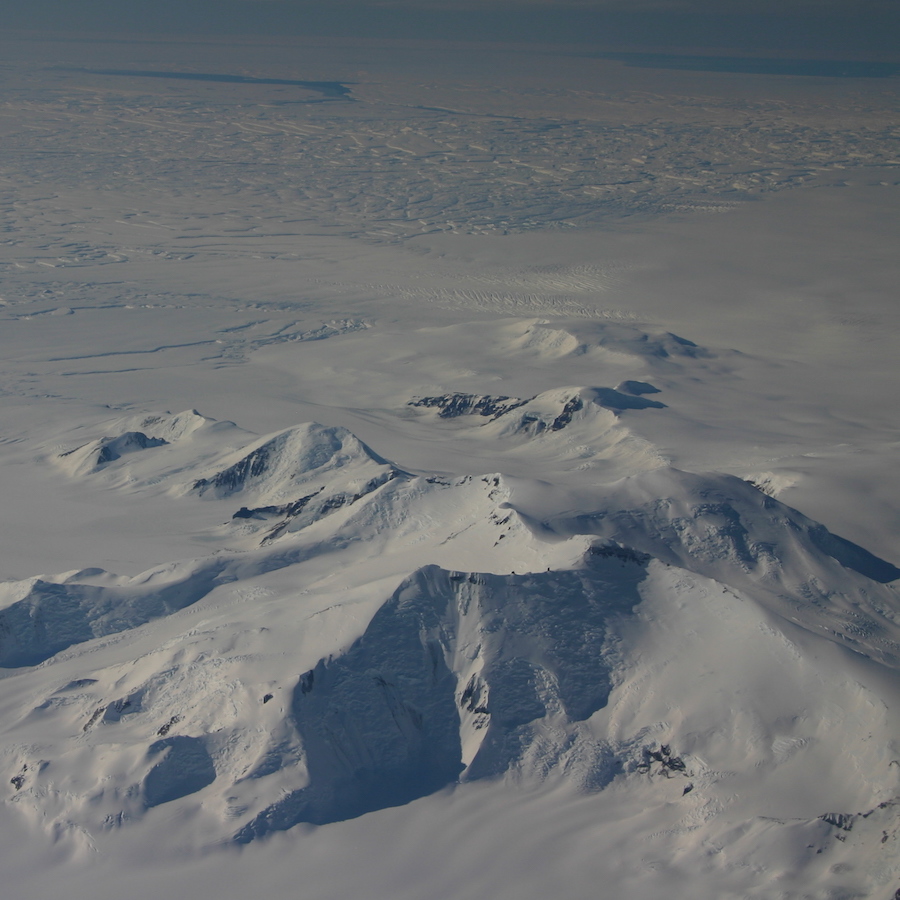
x,y
470,698
668,763
450,406
454,405
843,821
563,419
307,680
165,729
231,479
94,716
329,505
286,510
113,448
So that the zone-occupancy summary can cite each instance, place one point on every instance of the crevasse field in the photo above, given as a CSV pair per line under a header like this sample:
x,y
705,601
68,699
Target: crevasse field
x,y
440,472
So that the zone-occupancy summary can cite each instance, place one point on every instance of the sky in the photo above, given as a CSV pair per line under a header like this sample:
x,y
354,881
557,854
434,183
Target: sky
x,y
852,29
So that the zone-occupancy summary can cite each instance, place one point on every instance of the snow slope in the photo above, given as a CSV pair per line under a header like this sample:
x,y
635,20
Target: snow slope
x,y
673,626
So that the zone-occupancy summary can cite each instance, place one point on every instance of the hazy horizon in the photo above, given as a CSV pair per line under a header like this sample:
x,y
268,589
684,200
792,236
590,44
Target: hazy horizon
x,y
834,30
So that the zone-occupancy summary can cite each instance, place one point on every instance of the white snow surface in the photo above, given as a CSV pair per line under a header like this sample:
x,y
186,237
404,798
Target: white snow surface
x,y
526,528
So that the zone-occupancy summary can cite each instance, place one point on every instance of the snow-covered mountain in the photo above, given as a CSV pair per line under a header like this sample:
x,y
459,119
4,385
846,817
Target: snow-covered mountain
x,y
364,637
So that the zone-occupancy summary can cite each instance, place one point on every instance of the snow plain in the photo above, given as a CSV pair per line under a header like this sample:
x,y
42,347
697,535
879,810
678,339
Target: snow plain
x,y
481,483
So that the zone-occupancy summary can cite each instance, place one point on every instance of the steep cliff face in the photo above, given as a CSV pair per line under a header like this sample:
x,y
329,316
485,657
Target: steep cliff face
x,y
459,677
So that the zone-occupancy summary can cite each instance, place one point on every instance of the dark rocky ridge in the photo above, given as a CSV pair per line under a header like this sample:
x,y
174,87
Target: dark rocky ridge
x,y
451,406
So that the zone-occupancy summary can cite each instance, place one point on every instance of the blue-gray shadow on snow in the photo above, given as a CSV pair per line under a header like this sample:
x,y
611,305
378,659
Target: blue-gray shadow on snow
x,y
185,768
381,725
